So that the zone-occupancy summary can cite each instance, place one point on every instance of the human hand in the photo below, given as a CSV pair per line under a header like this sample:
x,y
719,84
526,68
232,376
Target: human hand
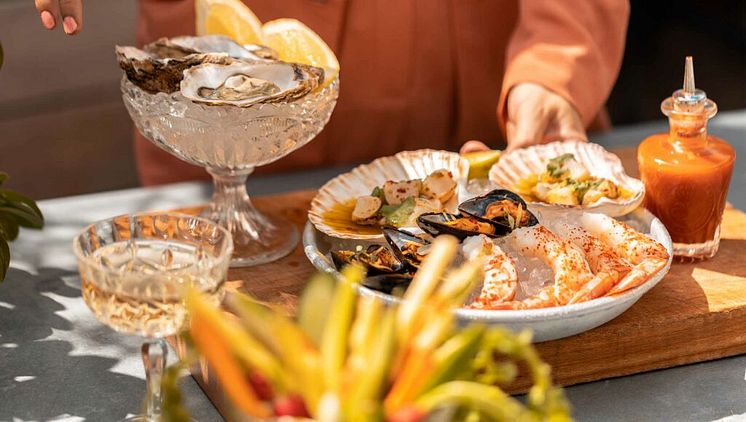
x,y
69,12
537,115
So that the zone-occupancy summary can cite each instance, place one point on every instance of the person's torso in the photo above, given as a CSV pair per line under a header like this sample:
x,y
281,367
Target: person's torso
x,y
414,73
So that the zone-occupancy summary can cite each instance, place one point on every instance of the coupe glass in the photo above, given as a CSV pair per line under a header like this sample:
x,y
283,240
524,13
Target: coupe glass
x,y
134,271
230,142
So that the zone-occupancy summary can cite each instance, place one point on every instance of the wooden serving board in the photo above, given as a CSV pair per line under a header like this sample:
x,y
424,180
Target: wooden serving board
x,y
696,313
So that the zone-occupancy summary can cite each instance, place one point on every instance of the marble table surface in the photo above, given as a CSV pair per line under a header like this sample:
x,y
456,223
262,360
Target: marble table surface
x,y
57,363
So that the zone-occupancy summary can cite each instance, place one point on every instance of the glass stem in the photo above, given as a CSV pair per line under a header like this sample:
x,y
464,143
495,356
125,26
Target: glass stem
x,y
229,193
154,353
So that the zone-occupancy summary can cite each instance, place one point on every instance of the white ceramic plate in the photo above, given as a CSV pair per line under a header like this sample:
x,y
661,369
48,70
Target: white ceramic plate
x,y
546,324
516,165
406,165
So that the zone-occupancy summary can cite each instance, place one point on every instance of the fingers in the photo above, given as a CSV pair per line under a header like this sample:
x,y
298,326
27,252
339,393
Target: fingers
x,y
537,115
473,146
49,12
68,13
72,15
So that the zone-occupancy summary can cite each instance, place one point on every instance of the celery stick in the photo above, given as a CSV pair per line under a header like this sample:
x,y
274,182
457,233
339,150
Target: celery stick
x,y
459,283
315,304
425,282
243,345
364,403
336,332
453,358
489,401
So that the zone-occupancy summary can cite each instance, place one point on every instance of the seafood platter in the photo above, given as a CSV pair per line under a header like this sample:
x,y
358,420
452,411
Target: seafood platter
x,y
564,244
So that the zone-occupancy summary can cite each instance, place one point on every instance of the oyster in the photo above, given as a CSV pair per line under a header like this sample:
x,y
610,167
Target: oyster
x,y
155,74
180,47
244,83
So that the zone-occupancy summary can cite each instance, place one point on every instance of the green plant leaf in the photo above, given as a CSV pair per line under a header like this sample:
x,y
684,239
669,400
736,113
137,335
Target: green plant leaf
x,y
8,229
4,257
3,177
24,216
15,198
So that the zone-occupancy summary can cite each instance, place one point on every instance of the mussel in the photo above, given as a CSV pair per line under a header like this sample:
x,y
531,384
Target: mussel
x,y
495,214
408,247
505,209
460,226
388,283
377,259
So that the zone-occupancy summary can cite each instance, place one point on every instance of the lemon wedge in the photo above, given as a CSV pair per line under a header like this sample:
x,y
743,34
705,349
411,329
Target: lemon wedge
x,y
480,162
297,43
231,18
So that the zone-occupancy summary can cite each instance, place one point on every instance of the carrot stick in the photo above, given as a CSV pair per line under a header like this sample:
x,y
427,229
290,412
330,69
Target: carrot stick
x,y
229,373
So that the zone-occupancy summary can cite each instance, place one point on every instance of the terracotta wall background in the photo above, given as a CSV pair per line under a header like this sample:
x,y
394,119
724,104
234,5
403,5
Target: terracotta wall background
x,y
63,128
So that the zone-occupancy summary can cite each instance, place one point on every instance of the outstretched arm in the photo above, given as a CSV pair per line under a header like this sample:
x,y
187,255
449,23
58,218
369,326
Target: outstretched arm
x,y
69,13
562,62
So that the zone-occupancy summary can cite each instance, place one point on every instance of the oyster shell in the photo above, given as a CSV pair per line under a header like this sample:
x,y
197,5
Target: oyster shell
x,y
520,164
180,47
155,74
244,83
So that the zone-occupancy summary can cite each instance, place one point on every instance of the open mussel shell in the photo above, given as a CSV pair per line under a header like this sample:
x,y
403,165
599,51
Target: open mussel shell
x,y
460,226
377,259
408,247
388,283
501,207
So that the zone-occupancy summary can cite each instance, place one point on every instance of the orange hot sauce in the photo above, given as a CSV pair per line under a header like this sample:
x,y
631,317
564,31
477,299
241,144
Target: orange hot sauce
x,y
686,172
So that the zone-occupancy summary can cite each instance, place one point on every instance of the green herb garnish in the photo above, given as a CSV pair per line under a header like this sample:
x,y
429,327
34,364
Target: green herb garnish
x,y
581,188
378,192
554,166
397,215
16,210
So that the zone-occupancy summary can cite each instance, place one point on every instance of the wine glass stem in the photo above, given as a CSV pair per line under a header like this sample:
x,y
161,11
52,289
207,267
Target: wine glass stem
x,y
230,187
154,353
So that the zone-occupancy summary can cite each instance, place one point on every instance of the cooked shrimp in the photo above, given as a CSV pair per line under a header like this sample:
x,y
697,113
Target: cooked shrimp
x,y
571,271
607,266
500,275
645,254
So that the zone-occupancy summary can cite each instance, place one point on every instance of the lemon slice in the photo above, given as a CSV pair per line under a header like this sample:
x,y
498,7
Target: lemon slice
x,y
231,18
297,43
480,162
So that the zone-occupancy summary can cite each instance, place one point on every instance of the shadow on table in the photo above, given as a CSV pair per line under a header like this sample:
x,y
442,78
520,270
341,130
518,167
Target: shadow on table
x,y
45,371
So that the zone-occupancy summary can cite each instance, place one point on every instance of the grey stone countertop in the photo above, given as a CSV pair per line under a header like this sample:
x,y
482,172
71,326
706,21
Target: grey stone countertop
x,y
58,363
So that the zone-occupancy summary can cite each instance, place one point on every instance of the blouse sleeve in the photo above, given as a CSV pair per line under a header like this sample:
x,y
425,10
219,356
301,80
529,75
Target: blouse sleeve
x,y
572,47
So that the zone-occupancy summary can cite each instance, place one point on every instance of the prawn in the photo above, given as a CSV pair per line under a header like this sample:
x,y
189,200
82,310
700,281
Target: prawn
x,y
646,255
500,275
607,266
571,270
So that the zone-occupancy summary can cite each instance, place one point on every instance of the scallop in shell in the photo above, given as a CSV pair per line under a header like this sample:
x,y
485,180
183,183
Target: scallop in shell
x,y
520,164
329,205
244,83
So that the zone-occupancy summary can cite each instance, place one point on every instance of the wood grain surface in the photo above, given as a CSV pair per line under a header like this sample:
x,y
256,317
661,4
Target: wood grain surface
x,y
696,313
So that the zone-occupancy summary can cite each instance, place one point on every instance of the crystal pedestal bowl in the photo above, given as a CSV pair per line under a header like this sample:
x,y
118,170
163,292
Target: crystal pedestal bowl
x,y
230,142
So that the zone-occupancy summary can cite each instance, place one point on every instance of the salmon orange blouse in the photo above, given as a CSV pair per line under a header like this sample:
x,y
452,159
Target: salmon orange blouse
x,y
425,73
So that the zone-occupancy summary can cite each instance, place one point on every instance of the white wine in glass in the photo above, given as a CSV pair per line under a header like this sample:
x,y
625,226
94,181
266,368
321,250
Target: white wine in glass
x,y
135,270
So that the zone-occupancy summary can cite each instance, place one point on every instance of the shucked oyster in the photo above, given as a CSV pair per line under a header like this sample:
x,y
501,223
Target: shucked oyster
x,y
244,83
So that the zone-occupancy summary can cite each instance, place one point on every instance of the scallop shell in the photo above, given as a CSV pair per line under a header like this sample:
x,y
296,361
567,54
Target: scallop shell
x,y
361,180
521,163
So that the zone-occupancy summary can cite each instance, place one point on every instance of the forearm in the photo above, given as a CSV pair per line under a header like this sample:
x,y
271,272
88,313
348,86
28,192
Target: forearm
x,y
572,47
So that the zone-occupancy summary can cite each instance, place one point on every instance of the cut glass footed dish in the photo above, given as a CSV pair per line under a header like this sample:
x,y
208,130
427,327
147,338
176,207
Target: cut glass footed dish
x,y
230,142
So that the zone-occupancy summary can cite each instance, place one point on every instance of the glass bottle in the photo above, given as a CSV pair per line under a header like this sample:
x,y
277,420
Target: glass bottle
x,y
686,172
